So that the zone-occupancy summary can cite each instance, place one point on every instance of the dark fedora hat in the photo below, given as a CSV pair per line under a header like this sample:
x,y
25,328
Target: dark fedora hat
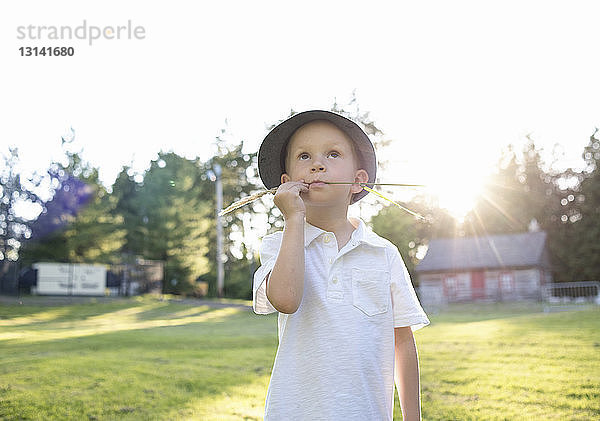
x,y
272,152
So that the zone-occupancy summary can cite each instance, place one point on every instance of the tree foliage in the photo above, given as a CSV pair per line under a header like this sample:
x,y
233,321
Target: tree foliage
x,y
512,197
240,178
411,235
522,194
14,229
168,213
401,229
78,224
580,221
562,203
167,218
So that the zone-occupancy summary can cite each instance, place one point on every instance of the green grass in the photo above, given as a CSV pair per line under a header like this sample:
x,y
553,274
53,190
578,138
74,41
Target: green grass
x,y
511,362
148,359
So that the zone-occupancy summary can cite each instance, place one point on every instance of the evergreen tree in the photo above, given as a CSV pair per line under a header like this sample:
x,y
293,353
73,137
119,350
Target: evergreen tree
x,y
170,218
126,193
586,257
561,213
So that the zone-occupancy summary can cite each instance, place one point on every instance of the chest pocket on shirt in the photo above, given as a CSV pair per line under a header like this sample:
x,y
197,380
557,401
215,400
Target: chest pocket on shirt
x,y
370,291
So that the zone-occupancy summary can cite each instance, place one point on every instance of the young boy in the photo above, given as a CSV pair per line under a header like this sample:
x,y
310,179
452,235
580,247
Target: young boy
x,y
346,305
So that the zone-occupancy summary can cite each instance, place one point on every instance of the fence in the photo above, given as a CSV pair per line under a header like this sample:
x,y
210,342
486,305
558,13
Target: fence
x,y
139,277
570,294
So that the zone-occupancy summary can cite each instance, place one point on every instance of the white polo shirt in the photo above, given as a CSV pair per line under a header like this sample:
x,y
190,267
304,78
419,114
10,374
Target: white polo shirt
x,y
335,359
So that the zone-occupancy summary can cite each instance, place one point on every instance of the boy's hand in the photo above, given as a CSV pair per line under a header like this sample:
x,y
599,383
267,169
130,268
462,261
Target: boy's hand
x,y
288,199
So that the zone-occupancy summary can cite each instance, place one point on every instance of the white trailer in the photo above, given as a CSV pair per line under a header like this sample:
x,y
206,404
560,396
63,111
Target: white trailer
x,y
69,279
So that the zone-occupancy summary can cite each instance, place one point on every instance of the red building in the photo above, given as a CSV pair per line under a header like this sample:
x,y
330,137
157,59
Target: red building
x,y
508,267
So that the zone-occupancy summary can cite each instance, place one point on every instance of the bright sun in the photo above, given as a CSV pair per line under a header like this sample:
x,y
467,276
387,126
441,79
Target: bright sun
x,y
456,192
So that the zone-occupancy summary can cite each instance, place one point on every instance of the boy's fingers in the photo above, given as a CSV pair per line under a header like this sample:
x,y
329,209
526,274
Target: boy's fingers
x,y
293,185
301,185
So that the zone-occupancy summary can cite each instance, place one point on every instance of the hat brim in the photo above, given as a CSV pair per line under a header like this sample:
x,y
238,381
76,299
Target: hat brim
x,y
271,159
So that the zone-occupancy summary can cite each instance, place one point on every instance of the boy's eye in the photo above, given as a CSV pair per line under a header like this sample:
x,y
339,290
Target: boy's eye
x,y
334,154
303,156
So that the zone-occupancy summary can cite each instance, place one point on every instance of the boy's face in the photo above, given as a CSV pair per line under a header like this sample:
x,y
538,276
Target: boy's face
x,y
317,152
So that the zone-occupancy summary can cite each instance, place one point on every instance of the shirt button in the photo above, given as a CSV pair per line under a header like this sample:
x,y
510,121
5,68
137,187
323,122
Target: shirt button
x,y
326,239
330,261
334,280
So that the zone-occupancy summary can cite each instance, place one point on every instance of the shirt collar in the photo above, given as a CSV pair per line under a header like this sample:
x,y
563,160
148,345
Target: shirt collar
x,y
362,234
310,233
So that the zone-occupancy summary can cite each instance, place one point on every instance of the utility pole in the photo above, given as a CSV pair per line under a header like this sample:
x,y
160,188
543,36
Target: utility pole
x,y
215,175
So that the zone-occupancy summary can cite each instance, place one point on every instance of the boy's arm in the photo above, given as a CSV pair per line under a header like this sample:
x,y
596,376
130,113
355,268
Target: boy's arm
x,y
406,373
285,283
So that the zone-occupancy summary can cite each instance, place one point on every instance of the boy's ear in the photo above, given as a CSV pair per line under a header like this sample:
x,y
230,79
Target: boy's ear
x,y
285,178
361,176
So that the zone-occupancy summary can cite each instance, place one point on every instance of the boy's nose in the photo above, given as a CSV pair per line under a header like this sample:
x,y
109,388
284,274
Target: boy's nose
x,y
317,168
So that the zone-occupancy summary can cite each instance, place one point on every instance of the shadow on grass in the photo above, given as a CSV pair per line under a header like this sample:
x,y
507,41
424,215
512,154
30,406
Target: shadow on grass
x,y
140,308
168,371
121,320
15,315
41,324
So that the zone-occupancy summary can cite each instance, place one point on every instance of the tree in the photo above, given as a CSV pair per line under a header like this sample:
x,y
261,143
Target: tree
x,y
240,179
400,228
519,192
565,204
173,215
497,209
412,235
586,224
126,193
77,225
14,228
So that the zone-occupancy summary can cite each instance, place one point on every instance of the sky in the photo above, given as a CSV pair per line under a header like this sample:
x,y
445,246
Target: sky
x,y
450,83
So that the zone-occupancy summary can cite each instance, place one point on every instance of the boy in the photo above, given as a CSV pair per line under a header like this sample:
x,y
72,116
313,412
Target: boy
x,y
345,301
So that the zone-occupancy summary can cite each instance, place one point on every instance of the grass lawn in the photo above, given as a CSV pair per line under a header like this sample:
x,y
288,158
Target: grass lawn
x,y
148,359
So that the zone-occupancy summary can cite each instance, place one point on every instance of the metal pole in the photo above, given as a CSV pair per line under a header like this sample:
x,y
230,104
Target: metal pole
x,y
220,272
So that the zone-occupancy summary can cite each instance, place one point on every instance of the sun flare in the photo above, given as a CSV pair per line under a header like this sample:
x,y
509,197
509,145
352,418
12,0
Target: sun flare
x,y
456,192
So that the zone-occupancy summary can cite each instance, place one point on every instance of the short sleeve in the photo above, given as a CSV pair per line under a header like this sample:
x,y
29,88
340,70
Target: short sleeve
x,y
269,250
405,304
